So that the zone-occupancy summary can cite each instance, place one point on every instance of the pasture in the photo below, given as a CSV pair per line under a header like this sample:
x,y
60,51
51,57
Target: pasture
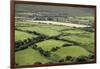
x,y
19,35
29,56
74,51
47,45
51,43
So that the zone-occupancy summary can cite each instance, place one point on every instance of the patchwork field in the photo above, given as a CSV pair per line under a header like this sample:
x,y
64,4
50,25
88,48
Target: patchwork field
x,y
43,43
50,34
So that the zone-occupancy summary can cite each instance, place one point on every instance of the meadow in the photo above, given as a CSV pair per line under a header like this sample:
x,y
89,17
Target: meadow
x,y
29,56
42,43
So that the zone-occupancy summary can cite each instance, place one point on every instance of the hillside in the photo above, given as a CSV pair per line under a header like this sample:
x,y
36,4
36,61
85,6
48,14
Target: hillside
x,y
54,10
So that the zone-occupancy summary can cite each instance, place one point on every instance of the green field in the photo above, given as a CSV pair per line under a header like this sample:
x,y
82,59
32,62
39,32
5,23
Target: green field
x,y
55,27
45,31
85,40
47,45
74,51
74,31
53,35
19,35
67,35
29,56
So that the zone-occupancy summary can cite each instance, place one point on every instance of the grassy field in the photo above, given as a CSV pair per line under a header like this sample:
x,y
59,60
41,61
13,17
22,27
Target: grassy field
x,y
85,40
52,35
85,17
29,56
19,35
54,27
74,51
74,31
47,45
45,31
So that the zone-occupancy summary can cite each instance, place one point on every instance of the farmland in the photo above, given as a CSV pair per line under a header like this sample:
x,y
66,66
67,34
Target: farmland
x,y
31,55
68,51
53,35
84,40
42,30
58,42
49,44
21,35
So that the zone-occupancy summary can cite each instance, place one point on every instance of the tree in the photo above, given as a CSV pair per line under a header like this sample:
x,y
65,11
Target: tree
x,y
61,60
29,40
68,58
89,29
55,49
34,46
25,41
91,56
46,53
82,59
29,32
37,63
64,45
17,44
21,43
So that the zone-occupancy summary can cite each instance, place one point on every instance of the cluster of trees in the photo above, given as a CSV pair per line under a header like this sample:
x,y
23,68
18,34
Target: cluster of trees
x,y
79,59
34,32
64,45
55,49
19,45
42,52
67,44
89,29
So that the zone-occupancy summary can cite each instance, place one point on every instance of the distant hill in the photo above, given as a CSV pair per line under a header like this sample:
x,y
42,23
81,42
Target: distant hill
x,y
54,10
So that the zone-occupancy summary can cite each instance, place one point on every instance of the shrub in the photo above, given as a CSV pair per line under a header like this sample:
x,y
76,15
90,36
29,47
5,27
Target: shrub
x,y
46,53
29,40
68,58
34,46
61,60
57,48
91,56
64,45
49,63
82,59
53,49
37,63
25,41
